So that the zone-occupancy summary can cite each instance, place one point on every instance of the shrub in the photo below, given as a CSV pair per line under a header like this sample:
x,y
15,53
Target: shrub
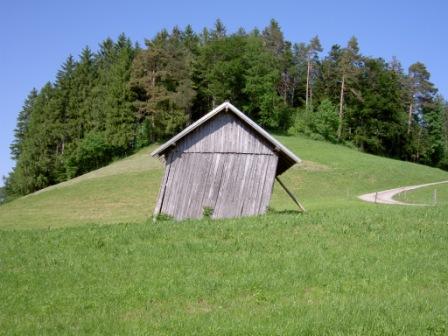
x,y
321,124
325,121
91,153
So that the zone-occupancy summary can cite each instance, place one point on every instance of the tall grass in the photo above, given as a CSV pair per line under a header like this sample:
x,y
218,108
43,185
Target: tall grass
x,y
362,271
342,268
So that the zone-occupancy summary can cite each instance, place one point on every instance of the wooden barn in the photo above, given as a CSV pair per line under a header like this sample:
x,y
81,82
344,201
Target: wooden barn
x,y
224,162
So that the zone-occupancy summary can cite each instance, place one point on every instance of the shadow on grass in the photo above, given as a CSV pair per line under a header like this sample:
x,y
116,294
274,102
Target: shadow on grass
x,y
283,212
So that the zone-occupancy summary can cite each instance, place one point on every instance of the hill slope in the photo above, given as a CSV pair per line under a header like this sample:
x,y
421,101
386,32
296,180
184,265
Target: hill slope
x,y
434,195
343,268
126,190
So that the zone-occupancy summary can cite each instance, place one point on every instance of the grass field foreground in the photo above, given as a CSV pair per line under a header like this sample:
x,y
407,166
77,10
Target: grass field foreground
x,y
343,268
370,271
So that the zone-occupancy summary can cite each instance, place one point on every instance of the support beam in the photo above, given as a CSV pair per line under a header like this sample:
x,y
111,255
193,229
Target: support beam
x,y
160,198
302,209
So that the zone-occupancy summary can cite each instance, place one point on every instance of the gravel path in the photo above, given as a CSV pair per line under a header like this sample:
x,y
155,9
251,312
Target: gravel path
x,y
386,196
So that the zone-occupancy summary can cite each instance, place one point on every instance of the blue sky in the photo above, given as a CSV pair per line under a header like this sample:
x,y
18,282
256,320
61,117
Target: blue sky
x,y
39,35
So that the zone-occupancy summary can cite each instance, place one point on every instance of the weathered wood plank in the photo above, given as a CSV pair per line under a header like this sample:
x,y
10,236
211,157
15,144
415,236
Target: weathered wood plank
x,y
207,169
239,182
249,188
245,185
258,180
226,133
194,208
187,183
167,205
268,184
232,184
216,183
169,183
219,210
177,184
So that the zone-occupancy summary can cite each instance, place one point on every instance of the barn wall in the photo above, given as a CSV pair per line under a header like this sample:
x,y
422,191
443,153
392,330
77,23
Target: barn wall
x,y
224,133
221,165
232,184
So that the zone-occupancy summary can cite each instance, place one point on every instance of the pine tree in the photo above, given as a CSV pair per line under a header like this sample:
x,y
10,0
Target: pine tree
x,y
34,166
65,103
421,91
299,73
219,72
21,130
420,96
85,76
273,38
329,83
433,122
219,31
312,50
274,42
444,162
261,78
191,40
204,37
104,60
161,81
377,120
348,69
287,72
118,102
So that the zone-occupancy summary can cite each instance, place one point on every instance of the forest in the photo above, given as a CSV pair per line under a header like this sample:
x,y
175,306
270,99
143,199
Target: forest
x,y
108,103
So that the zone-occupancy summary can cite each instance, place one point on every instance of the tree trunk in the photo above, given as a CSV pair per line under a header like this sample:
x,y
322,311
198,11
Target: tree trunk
x,y
285,88
341,108
293,91
152,135
153,79
310,87
307,84
418,145
411,107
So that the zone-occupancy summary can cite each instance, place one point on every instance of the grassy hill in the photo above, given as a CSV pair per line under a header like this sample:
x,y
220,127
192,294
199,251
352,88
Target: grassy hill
x,y
344,267
432,195
126,191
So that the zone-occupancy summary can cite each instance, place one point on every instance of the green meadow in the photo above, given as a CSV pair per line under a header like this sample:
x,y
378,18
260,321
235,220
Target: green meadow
x,y
84,257
431,195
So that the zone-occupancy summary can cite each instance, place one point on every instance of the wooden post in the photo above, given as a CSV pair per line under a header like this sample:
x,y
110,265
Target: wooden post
x,y
302,209
341,108
434,197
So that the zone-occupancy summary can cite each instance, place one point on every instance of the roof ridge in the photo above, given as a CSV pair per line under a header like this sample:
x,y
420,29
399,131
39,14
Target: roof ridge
x,y
227,106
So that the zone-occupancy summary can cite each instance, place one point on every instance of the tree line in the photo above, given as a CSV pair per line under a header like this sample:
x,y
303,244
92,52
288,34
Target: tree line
x,y
106,104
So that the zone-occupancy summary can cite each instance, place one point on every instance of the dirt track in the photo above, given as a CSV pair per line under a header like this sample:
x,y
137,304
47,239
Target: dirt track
x,y
386,196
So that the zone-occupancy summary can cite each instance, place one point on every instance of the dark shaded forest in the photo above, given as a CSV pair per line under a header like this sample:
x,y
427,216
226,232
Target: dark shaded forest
x,y
106,104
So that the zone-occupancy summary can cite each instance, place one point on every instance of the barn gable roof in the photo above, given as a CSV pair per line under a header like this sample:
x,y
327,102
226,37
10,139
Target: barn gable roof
x,y
286,157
